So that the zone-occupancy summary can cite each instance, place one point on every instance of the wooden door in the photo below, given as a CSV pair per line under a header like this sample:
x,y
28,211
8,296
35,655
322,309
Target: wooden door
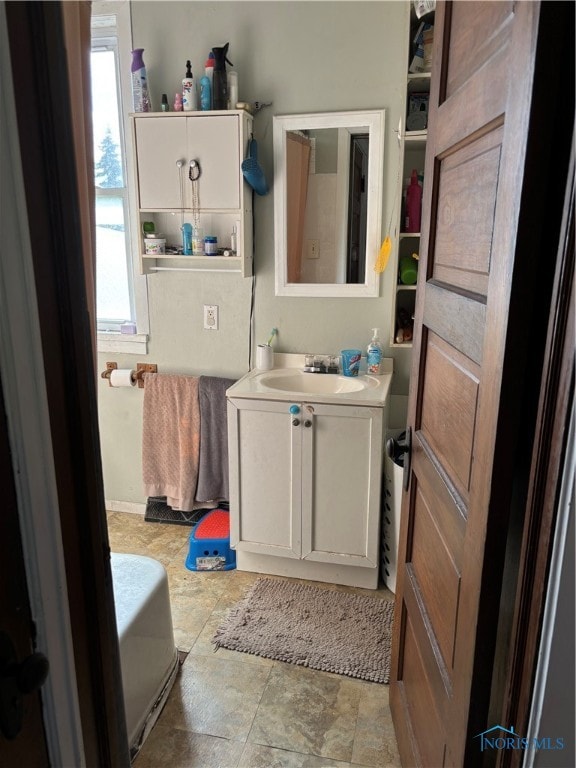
x,y
464,399
28,747
341,475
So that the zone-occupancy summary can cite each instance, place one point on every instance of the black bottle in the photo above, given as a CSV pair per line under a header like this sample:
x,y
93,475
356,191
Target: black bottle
x,y
220,78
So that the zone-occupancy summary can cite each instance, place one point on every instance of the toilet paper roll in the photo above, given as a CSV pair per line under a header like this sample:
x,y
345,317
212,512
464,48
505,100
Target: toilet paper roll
x,y
122,378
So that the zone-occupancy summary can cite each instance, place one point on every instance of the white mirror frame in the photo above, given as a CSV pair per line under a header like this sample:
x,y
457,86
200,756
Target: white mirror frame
x,y
373,121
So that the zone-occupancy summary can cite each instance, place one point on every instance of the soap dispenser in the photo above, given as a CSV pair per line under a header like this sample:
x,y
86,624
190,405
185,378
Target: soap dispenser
x,y
374,350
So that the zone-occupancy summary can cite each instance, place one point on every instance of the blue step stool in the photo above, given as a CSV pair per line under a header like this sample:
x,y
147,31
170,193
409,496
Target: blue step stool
x,y
210,544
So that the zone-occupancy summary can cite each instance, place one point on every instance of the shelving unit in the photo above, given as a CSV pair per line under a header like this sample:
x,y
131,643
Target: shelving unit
x,y
412,155
164,145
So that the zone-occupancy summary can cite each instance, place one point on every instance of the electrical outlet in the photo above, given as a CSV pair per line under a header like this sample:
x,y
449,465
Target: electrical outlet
x,y
210,317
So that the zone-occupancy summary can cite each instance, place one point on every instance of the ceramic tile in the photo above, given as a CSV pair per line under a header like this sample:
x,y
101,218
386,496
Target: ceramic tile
x,y
216,697
235,710
306,711
203,645
173,748
257,756
375,746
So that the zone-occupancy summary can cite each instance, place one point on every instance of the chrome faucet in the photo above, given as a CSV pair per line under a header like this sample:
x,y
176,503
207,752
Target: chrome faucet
x,y
320,364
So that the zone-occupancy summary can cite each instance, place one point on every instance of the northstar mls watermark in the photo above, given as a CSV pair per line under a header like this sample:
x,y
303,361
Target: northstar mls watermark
x,y
499,737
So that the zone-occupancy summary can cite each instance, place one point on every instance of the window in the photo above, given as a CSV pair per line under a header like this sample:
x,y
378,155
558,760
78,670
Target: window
x,y
121,294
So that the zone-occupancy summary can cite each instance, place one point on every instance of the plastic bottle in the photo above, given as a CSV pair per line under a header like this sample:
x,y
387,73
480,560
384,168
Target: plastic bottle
x,y
232,90
234,239
205,94
220,77
198,242
188,90
209,68
413,204
140,94
187,239
178,102
374,351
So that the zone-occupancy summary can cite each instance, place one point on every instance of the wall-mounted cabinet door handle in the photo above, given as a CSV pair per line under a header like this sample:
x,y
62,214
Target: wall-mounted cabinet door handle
x,y
307,423
295,422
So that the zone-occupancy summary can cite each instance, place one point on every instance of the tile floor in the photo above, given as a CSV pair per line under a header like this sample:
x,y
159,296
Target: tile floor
x,y
234,710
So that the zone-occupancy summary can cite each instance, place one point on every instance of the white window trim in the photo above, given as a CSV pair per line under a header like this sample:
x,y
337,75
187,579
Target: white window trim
x,y
113,341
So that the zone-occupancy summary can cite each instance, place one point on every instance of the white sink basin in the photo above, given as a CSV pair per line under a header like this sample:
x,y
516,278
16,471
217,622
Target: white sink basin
x,y
315,383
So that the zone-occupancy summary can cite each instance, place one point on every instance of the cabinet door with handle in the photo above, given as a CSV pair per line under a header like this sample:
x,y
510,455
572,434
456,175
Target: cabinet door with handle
x,y
341,480
214,141
159,144
264,448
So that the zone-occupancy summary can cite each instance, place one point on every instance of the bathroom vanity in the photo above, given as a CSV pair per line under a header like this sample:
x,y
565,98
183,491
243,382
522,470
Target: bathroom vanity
x,y
306,462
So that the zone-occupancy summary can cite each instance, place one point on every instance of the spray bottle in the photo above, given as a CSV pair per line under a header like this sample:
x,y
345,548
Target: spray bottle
x,y
140,94
220,77
188,90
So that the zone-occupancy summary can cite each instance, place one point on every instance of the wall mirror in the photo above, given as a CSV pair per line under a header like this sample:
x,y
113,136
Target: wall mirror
x,y
328,179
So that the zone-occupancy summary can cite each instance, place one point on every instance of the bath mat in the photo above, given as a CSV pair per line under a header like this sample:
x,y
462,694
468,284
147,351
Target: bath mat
x,y
322,629
158,511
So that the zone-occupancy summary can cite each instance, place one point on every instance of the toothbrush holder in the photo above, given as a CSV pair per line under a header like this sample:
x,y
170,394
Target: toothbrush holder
x,y
264,357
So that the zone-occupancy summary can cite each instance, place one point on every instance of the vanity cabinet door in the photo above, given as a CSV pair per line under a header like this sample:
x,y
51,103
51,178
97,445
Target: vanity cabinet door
x,y
341,479
214,141
265,478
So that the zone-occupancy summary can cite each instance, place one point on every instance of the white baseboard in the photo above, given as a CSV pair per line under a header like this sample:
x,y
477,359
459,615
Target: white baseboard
x,y
125,506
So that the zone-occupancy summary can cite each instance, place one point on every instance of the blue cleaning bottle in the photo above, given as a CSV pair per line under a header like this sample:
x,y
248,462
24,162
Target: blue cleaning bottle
x,y
205,94
187,239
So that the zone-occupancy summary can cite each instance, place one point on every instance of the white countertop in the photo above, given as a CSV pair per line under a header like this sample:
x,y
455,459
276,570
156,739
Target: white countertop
x,y
252,385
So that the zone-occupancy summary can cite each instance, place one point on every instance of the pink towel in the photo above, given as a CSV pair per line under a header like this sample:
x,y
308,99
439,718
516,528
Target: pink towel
x,y
171,438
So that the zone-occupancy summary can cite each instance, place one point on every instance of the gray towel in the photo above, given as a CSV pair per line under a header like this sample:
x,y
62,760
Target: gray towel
x,y
213,464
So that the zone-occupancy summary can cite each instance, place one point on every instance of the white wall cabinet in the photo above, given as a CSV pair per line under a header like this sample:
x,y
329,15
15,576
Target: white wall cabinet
x,y
217,141
305,489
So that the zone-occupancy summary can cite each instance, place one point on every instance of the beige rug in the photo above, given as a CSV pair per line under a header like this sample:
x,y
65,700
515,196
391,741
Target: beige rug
x,y
318,628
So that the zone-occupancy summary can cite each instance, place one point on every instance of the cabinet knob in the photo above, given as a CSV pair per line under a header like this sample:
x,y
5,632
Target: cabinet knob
x,y
295,422
307,423
294,409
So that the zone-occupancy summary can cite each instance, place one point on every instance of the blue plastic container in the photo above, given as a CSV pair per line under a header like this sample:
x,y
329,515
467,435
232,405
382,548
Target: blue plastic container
x,y
209,548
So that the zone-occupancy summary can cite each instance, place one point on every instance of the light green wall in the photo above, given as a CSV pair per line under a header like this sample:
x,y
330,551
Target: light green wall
x,y
304,57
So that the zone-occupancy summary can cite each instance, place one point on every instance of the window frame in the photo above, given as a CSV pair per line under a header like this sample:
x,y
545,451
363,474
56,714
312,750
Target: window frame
x,y
118,36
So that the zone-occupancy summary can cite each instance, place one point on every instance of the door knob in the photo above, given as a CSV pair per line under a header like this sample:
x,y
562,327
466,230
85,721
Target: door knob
x,y
17,679
397,449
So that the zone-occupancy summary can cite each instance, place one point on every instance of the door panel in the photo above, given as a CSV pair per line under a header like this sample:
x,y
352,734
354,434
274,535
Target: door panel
x,y
479,102
463,245
449,402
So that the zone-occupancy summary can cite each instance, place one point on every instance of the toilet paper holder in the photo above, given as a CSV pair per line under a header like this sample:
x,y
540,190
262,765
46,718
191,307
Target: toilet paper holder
x,y
137,375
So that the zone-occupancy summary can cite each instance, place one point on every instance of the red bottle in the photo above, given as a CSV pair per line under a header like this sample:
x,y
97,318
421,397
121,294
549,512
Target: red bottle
x,y
413,204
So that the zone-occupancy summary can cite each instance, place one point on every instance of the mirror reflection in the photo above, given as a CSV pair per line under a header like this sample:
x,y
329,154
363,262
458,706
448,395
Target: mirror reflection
x,y
328,193
326,185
